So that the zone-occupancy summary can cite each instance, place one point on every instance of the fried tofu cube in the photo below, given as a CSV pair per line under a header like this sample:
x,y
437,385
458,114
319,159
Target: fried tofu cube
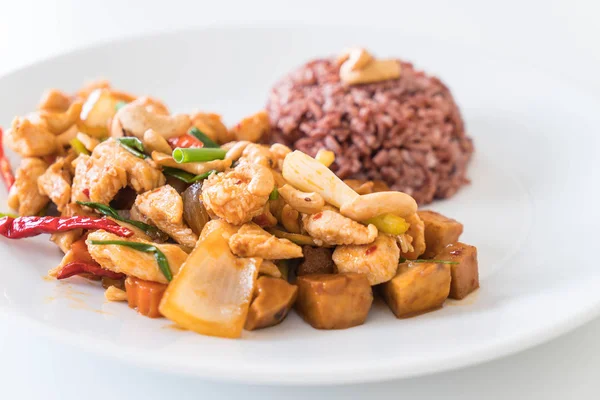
x,y
274,299
440,231
417,288
465,274
334,301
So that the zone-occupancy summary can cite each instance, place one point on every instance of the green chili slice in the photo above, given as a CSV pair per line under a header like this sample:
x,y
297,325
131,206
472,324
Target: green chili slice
x,y
78,147
274,194
11,215
198,134
159,256
181,155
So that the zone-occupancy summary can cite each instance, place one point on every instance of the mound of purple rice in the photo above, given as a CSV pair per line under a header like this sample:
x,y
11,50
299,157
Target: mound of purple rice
x,y
407,132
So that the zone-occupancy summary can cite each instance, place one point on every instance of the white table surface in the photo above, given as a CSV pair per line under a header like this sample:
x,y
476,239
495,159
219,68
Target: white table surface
x,y
562,35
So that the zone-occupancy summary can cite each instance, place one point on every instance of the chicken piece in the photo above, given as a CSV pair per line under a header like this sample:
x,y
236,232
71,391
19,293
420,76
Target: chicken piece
x,y
334,301
253,241
31,138
110,168
239,194
274,299
56,182
163,207
142,175
416,231
377,260
417,288
252,128
440,231
64,240
96,180
332,228
317,260
133,262
465,274
24,195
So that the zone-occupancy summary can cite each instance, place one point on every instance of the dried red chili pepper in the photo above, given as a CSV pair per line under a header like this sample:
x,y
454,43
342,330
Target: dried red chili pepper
x,y
5,169
80,267
22,227
185,141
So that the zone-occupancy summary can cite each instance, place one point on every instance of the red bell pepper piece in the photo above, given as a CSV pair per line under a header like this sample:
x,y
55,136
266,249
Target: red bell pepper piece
x,y
23,227
185,141
79,267
5,169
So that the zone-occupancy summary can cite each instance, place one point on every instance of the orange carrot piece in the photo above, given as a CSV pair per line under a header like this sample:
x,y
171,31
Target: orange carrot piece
x,y
144,295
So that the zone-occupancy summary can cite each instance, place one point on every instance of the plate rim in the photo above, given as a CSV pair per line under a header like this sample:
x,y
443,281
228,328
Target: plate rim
x,y
375,372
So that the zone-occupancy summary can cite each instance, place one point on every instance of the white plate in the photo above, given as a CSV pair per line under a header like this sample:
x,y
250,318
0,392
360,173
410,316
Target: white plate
x,y
530,211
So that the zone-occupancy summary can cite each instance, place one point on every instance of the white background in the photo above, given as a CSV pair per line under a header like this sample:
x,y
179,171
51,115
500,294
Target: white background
x,y
563,36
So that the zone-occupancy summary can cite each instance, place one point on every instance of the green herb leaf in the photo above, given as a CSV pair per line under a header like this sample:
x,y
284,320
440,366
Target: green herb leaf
x,y
133,145
274,194
186,176
111,212
120,105
198,134
159,256
181,155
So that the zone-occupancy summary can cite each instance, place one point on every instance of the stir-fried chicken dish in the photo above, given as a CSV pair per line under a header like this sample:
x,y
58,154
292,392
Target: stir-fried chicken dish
x,y
184,218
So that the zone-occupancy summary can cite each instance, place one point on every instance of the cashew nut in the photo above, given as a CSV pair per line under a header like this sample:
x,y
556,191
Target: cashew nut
x,y
358,66
64,138
116,129
154,142
307,203
211,125
122,96
236,150
54,100
136,119
113,293
355,58
153,105
360,186
269,268
89,87
289,219
371,205
58,122
196,168
252,128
